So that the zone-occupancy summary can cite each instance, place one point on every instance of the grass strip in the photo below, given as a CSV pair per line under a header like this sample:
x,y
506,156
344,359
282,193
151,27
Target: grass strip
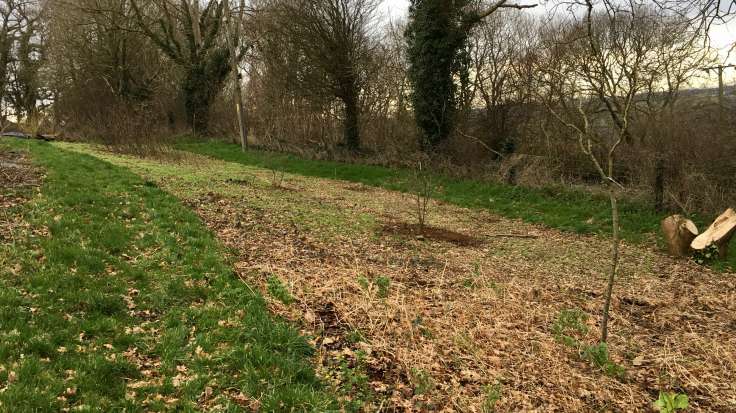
x,y
115,297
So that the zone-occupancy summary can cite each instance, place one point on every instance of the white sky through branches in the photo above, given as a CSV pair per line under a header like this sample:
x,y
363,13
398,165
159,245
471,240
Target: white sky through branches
x,y
723,37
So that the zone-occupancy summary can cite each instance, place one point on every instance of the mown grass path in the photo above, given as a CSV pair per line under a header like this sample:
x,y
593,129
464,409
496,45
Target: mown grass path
x,y
565,209
115,297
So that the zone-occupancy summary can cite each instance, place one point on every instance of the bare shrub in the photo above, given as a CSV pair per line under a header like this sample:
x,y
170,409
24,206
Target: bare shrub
x,y
35,124
526,170
423,189
223,118
277,177
127,129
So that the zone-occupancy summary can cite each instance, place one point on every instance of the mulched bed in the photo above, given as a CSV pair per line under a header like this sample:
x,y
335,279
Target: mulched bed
x,y
431,233
16,170
17,176
460,317
439,325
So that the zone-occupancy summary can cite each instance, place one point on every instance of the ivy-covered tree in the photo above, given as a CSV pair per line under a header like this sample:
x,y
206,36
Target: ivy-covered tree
x,y
435,42
191,37
437,35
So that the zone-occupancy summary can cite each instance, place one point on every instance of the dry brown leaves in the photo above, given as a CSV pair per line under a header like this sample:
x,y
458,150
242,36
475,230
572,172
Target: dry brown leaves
x,y
16,176
15,170
458,318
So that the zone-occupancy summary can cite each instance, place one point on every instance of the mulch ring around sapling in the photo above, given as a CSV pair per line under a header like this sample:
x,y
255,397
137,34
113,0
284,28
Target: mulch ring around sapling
x,y
427,232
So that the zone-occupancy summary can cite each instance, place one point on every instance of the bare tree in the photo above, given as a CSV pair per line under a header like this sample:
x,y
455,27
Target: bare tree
x,y
97,53
609,61
677,54
703,13
334,40
7,30
385,110
29,52
102,41
498,46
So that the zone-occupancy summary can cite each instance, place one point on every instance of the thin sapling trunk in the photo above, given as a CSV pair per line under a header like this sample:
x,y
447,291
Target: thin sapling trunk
x,y
615,256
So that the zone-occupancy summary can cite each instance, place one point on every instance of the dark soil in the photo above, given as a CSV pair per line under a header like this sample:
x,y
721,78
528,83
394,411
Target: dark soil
x,y
431,233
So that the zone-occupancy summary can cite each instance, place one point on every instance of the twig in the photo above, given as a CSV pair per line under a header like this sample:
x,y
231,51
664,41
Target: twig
x,y
485,145
7,176
680,205
530,236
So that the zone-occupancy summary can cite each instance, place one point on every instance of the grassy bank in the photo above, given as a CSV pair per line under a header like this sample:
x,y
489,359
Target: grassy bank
x,y
115,297
565,209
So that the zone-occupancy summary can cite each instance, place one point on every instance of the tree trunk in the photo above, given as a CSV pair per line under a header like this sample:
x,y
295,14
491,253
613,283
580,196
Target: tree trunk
x,y
352,121
198,116
4,58
679,232
718,234
197,100
614,264
239,107
659,171
233,33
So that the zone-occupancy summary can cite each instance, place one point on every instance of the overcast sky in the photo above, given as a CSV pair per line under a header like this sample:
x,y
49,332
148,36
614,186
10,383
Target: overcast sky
x,y
723,37
395,8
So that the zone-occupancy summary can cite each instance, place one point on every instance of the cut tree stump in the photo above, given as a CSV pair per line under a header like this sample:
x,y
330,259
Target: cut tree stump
x,y
679,232
718,234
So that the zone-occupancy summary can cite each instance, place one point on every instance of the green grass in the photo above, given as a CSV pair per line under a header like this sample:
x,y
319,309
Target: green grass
x,y
119,299
562,208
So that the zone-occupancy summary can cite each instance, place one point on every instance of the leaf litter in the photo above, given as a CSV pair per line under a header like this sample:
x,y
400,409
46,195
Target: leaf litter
x,y
457,321
17,179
